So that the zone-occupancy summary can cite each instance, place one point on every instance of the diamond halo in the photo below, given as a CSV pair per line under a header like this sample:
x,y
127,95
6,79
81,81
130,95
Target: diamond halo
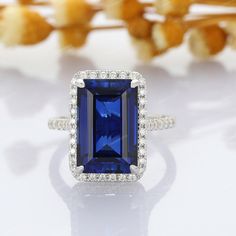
x,y
136,171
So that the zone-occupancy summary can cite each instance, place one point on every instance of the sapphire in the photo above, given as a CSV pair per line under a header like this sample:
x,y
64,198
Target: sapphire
x,y
107,126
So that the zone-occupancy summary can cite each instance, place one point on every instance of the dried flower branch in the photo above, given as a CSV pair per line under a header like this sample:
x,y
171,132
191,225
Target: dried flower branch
x,y
208,33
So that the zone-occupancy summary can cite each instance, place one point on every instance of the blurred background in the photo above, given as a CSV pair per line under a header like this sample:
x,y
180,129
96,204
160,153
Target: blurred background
x,y
189,185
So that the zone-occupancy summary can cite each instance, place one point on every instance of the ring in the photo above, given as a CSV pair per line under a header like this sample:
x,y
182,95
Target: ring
x,y
108,126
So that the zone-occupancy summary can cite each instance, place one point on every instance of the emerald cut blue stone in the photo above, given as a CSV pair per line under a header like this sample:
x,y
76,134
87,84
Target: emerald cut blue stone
x,y
107,126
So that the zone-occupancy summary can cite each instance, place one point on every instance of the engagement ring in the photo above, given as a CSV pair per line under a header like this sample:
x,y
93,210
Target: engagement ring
x,y
108,125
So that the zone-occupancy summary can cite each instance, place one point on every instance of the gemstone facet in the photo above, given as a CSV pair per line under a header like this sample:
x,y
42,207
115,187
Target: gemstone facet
x,y
107,126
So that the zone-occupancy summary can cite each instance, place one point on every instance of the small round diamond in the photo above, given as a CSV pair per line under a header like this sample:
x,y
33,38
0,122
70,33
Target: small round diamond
x,y
72,165
72,106
142,163
142,141
142,101
93,75
113,75
141,170
92,177
103,75
123,75
72,151
133,177
72,126
143,112
73,91
72,131
108,177
129,177
73,81
76,75
142,151
73,101
120,177
142,92
83,75
83,177
142,82
72,141
135,75
142,123
102,177
113,177
72,121
73,111
142,132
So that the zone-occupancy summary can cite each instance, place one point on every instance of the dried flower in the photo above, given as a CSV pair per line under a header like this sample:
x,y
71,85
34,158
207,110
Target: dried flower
x,y
139,27
19,25
207,41
172,7
122,9
230,28
145,48
73,37
25,1
72,12
168,34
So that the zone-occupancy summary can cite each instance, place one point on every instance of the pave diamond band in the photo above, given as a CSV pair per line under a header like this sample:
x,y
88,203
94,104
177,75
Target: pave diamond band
x,y
60,123
159,122
108,126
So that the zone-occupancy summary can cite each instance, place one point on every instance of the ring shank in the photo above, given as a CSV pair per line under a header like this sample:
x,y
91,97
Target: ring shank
x,y
152,123
160,122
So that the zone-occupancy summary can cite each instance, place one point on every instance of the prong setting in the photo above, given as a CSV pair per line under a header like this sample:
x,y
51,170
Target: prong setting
x,y
80,83
136,170
80,169
134,83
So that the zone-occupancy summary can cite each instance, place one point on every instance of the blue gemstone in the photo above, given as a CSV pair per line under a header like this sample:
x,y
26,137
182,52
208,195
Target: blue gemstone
x,y
107,126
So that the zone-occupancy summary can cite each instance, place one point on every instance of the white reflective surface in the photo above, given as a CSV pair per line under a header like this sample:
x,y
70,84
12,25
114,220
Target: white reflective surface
x,y
189,187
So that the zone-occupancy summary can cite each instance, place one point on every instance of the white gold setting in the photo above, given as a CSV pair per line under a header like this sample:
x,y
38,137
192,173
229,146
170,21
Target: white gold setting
x,y
144,124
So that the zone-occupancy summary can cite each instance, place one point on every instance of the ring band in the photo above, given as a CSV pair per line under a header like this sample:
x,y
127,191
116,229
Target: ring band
x,y
108,126
159,122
